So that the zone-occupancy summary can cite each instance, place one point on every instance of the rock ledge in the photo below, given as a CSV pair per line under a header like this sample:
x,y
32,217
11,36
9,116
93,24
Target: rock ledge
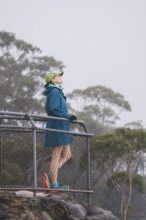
x,y
51,206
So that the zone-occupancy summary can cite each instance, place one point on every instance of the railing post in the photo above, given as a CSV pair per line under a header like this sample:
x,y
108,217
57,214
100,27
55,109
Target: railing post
x,y
34,161
0,154
88,171
34,153
88,165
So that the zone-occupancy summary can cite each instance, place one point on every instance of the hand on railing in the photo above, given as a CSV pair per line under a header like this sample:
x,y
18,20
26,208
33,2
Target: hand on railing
x,y
73,117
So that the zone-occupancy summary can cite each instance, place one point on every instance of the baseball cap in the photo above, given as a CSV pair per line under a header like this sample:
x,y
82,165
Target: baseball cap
x,y
51,75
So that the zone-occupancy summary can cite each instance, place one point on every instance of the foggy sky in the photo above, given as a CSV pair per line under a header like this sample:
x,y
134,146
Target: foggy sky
x,y
101,42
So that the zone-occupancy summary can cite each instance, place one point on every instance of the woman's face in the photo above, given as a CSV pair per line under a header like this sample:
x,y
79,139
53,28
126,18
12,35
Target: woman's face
x,y
57,80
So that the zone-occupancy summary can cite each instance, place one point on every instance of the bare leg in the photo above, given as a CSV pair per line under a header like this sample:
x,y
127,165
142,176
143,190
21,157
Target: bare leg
x,y
54,165
65,155
59,156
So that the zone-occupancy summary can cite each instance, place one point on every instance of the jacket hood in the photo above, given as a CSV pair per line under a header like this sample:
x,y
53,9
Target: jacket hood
x,y
49,88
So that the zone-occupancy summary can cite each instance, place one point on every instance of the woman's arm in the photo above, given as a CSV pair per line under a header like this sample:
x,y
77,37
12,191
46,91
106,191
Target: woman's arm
x,y
54,102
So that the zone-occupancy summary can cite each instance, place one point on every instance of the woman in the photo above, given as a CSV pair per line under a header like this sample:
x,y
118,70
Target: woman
x,y
60,142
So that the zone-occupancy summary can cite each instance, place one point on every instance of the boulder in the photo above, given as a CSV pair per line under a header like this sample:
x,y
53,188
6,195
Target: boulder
x,y
48,206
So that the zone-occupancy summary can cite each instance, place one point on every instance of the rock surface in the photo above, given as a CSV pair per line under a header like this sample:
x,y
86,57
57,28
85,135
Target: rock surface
x,y
51,206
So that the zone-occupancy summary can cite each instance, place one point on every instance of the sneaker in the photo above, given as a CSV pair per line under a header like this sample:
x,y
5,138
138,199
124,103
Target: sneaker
x,y
58,186
45,181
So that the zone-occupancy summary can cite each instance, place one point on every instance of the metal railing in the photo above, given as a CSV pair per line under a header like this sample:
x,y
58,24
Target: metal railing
x,y
21,142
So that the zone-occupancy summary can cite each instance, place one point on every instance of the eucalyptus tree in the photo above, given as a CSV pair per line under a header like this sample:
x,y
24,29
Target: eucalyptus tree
x,y
121,154
99,104
22,73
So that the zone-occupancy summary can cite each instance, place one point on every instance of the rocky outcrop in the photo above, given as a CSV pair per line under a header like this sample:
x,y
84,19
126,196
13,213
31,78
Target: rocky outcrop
x,y
50,206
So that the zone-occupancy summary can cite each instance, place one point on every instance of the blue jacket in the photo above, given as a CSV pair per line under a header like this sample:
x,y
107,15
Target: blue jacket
x,y
56,106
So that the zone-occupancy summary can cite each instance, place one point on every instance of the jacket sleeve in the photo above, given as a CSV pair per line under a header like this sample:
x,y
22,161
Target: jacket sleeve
x,y
54,102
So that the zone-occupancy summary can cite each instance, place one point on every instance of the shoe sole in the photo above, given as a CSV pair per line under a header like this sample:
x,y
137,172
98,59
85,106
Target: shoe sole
x,y
60,188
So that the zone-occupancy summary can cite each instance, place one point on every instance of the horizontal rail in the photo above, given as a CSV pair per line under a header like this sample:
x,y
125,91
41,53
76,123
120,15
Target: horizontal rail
x,y
26,116
23,116
45,189
5,127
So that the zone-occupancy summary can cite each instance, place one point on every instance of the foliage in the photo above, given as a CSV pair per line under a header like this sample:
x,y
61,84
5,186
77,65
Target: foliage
x,y
17,160
134,125
11,174
122,177
120,152
99,105
93,125
22,73
138,182
102,95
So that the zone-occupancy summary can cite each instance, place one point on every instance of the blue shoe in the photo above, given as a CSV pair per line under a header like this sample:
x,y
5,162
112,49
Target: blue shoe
x,y
58,186
49,177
